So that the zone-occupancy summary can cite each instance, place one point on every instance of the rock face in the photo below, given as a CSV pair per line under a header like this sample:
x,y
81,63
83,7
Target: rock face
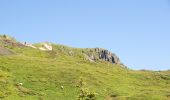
x,y
107,56
102,54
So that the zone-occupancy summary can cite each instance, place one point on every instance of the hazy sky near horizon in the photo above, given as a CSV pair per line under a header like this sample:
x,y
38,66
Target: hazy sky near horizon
x,y
138,31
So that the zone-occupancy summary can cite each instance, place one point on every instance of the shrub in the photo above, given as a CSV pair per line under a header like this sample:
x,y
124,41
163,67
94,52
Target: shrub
x,y
4,36
84,93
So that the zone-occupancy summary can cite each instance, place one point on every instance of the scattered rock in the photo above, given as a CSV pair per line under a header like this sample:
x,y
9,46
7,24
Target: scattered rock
x,y
46,47
88,58
29,45
10,42
70,53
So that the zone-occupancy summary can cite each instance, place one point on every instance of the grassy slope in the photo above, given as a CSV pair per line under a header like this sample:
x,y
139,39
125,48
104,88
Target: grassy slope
x,y
43,73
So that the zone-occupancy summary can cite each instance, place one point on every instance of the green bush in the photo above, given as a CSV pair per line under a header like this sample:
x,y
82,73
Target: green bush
x,y
84,93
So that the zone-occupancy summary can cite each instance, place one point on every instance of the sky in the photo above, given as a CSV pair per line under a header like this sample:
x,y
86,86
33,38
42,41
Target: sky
x,y
138,31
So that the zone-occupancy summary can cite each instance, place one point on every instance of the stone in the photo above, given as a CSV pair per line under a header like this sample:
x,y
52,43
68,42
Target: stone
x,y
101,54
107,55
46,47
29,45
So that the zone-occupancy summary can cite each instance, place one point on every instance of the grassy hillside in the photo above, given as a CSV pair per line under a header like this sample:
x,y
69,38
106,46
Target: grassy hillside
x,y
65,74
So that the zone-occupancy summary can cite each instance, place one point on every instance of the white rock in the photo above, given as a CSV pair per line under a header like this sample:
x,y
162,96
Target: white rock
x,y
29,45
48,47
20,84
62,87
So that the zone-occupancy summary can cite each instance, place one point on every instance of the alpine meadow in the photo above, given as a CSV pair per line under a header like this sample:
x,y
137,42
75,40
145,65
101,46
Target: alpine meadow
x,y
84,49
47,71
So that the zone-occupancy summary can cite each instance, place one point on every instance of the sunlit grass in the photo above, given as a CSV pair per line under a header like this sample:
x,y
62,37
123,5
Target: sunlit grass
x,y
42,73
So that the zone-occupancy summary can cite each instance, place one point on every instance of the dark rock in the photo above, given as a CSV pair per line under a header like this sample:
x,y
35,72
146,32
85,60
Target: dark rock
x,y
107,55
101,54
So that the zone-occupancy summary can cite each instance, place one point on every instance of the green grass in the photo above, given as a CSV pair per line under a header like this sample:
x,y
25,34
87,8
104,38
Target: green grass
x,y
44,72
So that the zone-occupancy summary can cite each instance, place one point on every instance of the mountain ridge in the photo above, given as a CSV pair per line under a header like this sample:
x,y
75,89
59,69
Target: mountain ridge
x,y
91,54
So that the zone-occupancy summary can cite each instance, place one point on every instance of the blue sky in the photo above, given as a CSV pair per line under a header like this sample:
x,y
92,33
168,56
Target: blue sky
x,y
138,31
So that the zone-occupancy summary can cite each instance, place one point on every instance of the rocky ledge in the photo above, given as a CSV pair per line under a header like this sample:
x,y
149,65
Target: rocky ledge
x,y
102,54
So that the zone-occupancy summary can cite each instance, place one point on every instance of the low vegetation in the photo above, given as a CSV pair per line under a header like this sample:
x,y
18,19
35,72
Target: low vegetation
x,y
64,74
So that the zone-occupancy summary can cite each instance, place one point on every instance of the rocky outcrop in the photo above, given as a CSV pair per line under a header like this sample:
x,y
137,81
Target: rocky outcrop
x,y
10,42
46,47
101,54
107,56
29,45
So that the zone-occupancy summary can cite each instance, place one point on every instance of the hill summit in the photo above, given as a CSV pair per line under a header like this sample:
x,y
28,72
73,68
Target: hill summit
x,y
91,54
